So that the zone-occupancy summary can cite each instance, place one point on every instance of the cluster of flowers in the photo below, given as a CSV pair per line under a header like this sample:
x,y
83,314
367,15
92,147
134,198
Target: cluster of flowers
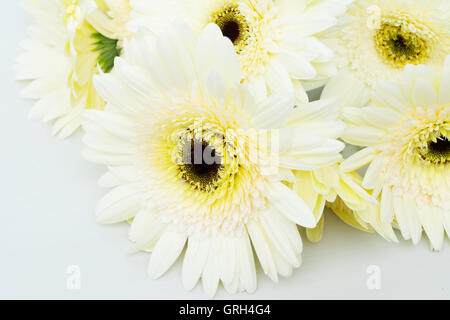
x,y
199,109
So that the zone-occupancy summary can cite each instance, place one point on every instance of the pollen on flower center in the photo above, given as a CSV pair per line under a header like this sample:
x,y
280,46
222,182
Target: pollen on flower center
x,y
233,25
402,40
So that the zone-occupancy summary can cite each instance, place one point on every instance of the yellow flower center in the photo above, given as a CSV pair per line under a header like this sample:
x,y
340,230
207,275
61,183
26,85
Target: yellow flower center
x,y
401,40
252,28
233,25
206,160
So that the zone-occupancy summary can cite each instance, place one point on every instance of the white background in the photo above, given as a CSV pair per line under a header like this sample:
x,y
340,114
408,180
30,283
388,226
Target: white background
x,y
48,193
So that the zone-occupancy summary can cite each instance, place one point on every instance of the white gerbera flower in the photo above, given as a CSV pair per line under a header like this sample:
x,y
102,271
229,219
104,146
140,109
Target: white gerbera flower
x,y
71,41
343,194
380,38
278,42
407,135
183,140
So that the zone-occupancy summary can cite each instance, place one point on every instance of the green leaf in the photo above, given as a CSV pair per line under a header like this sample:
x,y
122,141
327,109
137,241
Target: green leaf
x,y
108,51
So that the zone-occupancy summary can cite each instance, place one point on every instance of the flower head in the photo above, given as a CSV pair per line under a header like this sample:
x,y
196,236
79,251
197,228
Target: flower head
x,y
379,38
72,41
342,193
278,42
194,158
406,132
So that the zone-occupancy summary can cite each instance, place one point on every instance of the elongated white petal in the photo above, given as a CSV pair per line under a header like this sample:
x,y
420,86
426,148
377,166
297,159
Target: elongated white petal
x,y
166,252
141,223
444,89
274,111
358,160
194,260
262,249
387,205
210,277
292,206
363,136
424,94
246,265
273,229
432,222
120,204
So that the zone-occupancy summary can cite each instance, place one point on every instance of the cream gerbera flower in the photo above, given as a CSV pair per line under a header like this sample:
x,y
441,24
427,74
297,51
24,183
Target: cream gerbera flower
x,y
96,42
191,160
278,42
380,38
406,133
342,193
71,41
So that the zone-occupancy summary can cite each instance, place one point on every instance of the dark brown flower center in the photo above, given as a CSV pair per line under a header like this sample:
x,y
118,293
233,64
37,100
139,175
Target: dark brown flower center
x,y
233,24
440,147
231,30
201,164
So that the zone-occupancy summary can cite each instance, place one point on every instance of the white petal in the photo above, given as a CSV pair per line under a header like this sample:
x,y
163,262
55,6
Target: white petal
x,y
120,204
109,180
274,230
278,78
227,259
111,122
246,264
272,112
358,160
387,205
297,66
141,223
320,110
216,87
147,240
363,136
346,87
444,90
116,93
262,249
258,88
210,277
432,222
101,140
380,117
310,23
373,174
216,51
166,252
389,94
291,205
424,94
283,266
407,219
194,261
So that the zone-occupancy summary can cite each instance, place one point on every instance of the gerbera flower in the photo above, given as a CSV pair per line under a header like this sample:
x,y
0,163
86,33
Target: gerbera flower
x,y
278,42
343,194
380,38
96,42
191,160
71,41
406,132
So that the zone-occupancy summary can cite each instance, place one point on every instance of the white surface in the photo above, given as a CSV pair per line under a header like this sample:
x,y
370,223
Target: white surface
x,y
48,194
